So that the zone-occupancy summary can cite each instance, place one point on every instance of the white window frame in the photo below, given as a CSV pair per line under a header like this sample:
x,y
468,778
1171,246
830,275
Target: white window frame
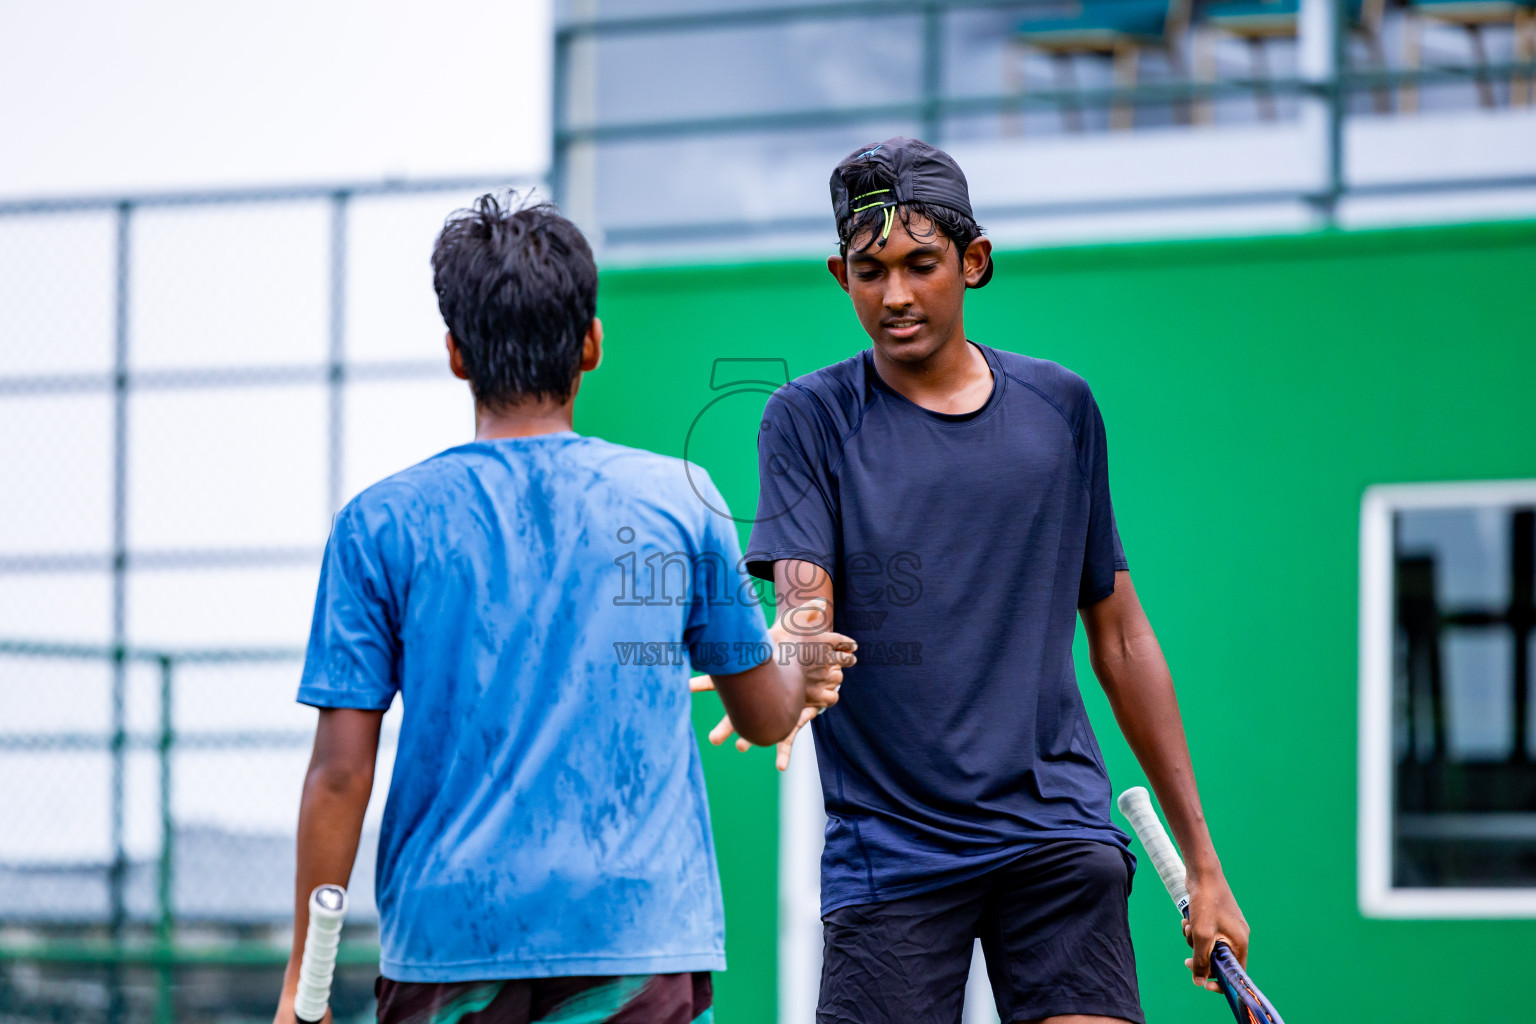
x,y
1378,897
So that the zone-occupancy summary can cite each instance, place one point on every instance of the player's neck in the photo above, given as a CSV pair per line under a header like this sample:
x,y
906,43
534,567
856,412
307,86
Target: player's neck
x,y
527,419
954,379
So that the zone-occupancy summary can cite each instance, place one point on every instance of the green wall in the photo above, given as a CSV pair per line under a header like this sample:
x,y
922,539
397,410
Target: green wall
x,y
1252,390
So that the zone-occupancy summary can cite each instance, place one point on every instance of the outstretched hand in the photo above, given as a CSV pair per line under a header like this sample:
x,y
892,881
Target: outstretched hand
x,y
724,729
803,625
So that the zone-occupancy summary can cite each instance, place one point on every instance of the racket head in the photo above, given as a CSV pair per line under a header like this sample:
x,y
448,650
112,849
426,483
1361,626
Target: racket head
x,y
1248,1004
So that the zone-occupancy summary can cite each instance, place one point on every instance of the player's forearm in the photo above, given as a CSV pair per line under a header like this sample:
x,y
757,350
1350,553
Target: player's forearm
x,y
764,702
797,585
1140,690
1130,666
337,788
330,828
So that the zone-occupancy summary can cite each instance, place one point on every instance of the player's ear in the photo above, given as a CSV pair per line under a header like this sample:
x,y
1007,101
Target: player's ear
x,y
592,347
455,358
839,269
977,255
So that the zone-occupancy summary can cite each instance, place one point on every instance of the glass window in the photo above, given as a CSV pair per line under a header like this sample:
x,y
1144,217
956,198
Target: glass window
x,y
1448,747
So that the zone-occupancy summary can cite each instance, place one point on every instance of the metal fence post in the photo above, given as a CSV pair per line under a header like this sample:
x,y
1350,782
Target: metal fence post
x,y
558,144
1319,60
165,1004
117,875
1337,109
576,175
337,373
933,73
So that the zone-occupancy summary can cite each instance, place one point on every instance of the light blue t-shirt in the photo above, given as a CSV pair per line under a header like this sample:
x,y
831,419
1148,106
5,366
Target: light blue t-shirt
x,y
537,603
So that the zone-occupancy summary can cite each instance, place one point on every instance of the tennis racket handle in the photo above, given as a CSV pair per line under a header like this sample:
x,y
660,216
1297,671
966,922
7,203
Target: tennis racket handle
x,y
1136,805
327,909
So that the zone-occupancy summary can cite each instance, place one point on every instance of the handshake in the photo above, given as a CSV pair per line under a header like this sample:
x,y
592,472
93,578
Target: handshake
x,y
807,662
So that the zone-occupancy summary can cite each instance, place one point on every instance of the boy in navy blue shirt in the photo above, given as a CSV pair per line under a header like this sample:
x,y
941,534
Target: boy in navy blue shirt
x,y
545,852
945,495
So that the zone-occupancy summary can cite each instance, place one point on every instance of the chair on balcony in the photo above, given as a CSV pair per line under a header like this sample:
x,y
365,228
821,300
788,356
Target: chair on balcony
x,y
1473,16
1258,22
1118,29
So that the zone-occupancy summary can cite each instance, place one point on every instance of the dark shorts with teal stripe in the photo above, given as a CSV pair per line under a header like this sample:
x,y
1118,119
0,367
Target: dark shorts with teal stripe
x,y
630,999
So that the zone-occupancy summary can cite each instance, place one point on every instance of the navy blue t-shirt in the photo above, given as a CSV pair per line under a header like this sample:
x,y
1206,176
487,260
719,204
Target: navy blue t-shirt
x,y
960,548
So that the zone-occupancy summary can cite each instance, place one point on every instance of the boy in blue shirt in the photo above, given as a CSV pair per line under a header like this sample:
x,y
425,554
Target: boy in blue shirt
x,y
545,852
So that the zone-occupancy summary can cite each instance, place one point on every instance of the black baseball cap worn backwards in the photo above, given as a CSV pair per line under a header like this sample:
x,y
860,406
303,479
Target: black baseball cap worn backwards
x,y
920,174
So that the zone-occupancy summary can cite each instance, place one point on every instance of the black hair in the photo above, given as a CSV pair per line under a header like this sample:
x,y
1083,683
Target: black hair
x,y
518,290
862,175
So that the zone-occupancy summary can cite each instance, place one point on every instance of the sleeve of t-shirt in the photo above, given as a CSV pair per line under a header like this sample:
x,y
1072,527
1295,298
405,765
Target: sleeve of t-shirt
x,y
797,500
1103,556
726,632
354,639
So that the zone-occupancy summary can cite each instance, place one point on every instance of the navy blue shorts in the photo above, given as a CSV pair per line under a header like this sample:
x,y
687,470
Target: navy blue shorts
x,y
1052,926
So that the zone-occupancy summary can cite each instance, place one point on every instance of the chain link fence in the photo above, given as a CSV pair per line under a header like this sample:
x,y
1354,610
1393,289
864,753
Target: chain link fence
x,y
190,387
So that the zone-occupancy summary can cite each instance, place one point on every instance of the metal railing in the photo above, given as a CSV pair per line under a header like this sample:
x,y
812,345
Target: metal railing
x,y
162,952
934,108
120,942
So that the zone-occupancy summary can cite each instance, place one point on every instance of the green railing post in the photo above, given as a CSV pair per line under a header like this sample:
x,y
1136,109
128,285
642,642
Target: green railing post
x,y
117,870
1338,99
165,1004
933,73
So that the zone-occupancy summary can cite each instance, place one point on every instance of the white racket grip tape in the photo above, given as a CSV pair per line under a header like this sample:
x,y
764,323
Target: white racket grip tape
x,y
327,909
1136,805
